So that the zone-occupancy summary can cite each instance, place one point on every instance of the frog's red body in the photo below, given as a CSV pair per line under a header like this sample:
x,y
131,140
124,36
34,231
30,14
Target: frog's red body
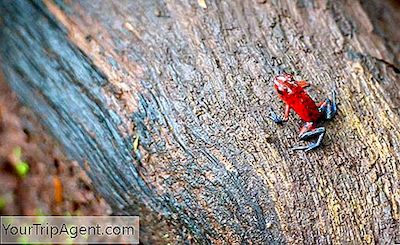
x,y
300,102
295,97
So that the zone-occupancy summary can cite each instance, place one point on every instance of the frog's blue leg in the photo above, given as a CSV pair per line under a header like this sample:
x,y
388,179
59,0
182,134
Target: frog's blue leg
x,y
328,107
277,119
320,132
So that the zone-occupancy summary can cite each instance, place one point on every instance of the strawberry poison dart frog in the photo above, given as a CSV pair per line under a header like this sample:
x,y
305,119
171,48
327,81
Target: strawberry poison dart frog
x,y
295,97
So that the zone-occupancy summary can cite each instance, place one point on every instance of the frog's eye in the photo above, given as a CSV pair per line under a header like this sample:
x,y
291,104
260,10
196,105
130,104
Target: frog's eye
x,y
289,77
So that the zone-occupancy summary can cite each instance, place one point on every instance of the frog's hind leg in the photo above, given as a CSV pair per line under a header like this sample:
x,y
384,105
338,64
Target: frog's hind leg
x,y
328,107
308,131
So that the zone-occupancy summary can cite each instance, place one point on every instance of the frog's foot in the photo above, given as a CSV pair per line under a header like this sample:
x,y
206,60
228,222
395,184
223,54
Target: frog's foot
x,y
320,132
328,107
277,119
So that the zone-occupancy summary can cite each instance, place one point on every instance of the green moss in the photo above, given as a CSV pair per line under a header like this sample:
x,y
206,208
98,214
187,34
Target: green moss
x,y
3,203
136,144
22,168
17,152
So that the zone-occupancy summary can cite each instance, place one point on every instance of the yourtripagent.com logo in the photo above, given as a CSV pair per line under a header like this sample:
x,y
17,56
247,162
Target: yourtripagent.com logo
x,y
69,229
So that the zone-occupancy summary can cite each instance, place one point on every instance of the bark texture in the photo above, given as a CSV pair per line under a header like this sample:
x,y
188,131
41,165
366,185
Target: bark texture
x,y
192,81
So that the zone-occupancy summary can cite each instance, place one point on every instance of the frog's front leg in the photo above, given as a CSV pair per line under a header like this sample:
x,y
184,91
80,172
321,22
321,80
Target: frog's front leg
x,y
309,131
277,119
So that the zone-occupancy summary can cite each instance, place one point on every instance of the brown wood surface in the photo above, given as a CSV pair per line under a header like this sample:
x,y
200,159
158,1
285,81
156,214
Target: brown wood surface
x,y
192,80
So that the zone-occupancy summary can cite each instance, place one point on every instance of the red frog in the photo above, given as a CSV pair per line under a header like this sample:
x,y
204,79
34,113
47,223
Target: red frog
x,y
295,97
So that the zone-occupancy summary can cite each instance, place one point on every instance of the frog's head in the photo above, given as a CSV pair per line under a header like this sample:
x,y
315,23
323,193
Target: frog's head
x,y
284,83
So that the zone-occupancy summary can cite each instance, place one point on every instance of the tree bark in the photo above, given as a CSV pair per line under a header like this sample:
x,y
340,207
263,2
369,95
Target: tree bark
x,y
191,83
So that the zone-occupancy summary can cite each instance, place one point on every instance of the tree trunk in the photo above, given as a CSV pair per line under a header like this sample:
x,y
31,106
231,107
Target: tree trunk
x,y
166,103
